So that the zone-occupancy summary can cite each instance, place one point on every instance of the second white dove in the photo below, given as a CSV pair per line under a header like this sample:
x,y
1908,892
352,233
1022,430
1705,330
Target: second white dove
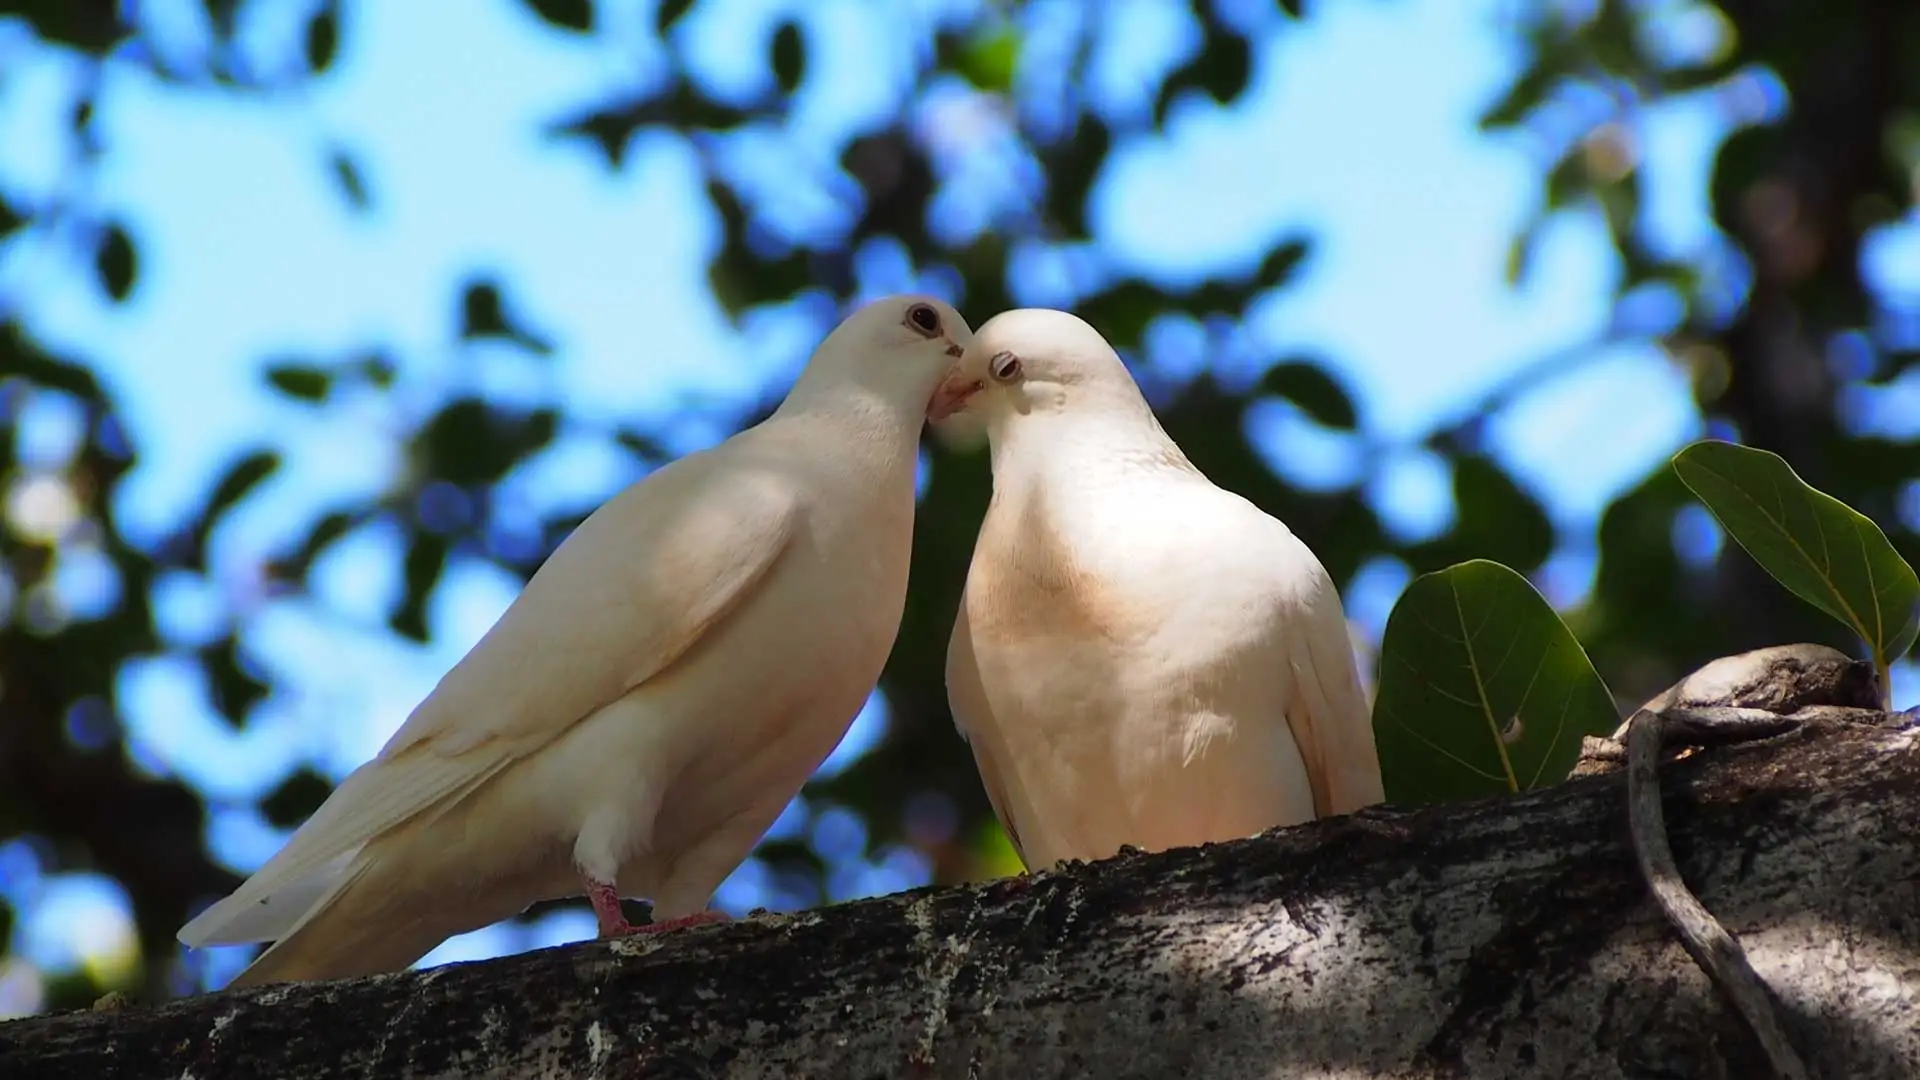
x,y
1140,657
653,699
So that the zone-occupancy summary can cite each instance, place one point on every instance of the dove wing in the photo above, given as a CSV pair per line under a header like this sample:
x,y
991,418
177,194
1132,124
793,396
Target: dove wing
x,y
973,716
1329,714
636,586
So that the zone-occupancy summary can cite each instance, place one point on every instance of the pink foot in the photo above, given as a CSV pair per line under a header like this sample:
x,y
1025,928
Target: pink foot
x,y
698,918
613,922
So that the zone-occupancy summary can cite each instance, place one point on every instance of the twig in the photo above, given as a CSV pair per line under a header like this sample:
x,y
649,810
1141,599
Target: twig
x,y
1709,943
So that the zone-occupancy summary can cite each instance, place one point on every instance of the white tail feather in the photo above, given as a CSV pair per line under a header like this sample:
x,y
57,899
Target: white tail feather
x,y
234,921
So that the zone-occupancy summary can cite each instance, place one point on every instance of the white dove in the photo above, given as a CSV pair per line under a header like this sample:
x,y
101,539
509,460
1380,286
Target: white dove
x,y
650,703
1140,658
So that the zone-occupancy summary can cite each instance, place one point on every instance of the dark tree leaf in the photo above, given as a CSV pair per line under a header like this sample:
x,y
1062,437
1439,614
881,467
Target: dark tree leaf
x,y
346,172
303,381
1226,63
1829,554
483,314
988,59
19,356
1071,172
668,13
641,445
1308,385
1122,313
92,26
295,800
220,14
331,527
470,443
115,262
1293,8
1525,95
9,218
1283,262
899,180
232,679
243,477
1483,690
611,126
1497,520
789,56
377,369
1221,68
323,37
575,15
425,561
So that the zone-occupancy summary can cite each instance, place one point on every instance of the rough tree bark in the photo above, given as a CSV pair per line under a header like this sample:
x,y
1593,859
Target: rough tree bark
x,y
1504,939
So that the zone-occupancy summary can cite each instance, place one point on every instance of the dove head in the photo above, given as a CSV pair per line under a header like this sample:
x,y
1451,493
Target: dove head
x,y
895,350
1035,360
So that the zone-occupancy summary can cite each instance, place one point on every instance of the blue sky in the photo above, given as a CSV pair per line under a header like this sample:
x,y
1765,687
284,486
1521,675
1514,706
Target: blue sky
x,y
1358,127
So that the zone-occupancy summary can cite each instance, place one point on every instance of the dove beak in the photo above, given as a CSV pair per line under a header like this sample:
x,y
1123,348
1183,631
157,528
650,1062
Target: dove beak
x,y
952,396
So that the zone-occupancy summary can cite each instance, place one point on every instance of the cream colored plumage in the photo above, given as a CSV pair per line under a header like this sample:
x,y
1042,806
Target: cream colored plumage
x,y
1140,657
652,700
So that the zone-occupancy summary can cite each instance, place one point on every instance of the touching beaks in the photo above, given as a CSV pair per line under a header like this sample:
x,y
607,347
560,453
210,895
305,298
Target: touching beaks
x,y
952,396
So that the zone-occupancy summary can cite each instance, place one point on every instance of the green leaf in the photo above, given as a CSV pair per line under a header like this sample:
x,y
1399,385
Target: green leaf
x,y
302,381
241,478
1483,690
789,58
233,680
295,800
1821,549
989,59
1308,385
575,15
426,558
484,314
323,37
1283,262
114,260
470,443
346,172
331,527
1226,64
1222,69
668,13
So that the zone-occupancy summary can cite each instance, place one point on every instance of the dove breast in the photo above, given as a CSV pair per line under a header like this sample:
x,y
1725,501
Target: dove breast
x,y
1133,642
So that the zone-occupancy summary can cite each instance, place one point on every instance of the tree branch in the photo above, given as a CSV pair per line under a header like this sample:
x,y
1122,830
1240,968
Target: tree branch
x,y
1715,950
1503,939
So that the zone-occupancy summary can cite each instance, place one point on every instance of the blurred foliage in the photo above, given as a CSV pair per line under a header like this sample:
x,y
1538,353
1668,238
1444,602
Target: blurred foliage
x,y
1763,312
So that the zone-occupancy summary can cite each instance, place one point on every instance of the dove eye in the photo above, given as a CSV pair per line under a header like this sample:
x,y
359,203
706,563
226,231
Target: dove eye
x,y
1004,367
924,319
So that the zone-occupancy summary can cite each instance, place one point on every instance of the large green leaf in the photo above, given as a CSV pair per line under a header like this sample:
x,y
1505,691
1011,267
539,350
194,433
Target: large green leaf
x,y
1483,690
1820,548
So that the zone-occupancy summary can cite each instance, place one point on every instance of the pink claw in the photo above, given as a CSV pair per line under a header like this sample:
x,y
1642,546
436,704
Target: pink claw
x,y
613,923
696,919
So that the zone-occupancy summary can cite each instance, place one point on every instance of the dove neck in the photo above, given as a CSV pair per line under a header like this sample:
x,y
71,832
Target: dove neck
x,y
1084,425
885,432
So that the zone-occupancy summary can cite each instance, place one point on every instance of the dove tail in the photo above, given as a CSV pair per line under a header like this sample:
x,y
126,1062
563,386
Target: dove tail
x,y
236,920
355,929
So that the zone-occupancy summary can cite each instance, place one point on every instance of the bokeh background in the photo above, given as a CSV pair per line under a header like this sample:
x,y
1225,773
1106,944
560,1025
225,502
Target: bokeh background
x,y
321,322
